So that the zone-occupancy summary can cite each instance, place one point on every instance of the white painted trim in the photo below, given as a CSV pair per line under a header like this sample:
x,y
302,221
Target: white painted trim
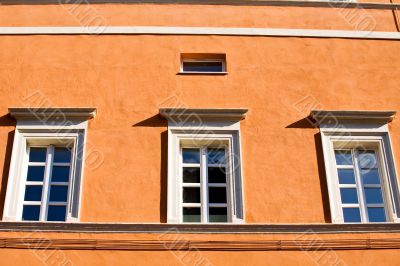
x,y
165,30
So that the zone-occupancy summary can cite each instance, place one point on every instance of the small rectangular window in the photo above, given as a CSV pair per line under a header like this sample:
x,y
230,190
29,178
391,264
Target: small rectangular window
x,y
203,63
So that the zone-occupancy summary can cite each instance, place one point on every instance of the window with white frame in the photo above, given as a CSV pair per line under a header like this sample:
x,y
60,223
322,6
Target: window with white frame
x,y
47,183
203,63
204,165
205,183
46,164
360,169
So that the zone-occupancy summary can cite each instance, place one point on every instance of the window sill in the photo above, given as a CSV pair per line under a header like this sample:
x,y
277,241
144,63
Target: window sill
x,y
201,73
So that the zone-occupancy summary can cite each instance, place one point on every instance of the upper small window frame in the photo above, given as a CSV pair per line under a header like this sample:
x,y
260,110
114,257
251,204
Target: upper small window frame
x,y
203,58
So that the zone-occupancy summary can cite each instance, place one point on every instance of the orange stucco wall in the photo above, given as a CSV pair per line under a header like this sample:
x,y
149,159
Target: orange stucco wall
x,y
128,78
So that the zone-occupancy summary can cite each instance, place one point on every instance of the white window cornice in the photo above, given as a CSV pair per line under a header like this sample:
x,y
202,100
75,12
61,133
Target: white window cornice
x,y
323,116
33,113
175,114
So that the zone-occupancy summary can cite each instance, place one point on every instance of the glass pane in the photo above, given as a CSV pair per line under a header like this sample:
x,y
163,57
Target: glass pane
x,y
191,215
373,195
62,155
56,213
343,157
346,176
217,194
367,159
35,173
218,215
216,175
370,176
376,215
191,155
60,174
351,215
33,193
203,66
191,195
31,213
58,193
348,195
37,154
216,156
191,175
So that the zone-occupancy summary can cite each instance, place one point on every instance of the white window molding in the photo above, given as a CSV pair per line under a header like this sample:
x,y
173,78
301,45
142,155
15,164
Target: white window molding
x,y
365,130
200,128
47,127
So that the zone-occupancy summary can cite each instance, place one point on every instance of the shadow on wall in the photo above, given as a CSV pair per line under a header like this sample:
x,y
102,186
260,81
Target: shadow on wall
x,y
158,121
6,121
308,122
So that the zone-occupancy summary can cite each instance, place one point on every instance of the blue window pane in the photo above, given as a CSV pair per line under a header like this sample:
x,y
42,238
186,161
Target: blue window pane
x,y
37,154
191,215
191,175
373,195
218,215
191,155
56,213
370,176
216,156
348,195
203,66
62,155
33,193
367,159
31,213
376,215
217,194
191,195
346,176
60,174
216,175
35,173
351,215
58,193
343,157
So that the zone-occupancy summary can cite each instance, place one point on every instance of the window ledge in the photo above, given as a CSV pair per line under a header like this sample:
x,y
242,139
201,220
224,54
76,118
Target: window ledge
x,y
227,228
202,73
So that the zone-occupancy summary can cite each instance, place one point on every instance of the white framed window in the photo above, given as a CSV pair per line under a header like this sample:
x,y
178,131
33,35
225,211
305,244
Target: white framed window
x,y
360,170
204,165
203,64
46,164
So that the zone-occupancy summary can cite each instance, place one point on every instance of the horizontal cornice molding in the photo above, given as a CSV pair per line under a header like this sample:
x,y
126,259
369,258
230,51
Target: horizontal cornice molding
x,y
328,4
200,228
33,113
300,244
322,116
223,31
181,114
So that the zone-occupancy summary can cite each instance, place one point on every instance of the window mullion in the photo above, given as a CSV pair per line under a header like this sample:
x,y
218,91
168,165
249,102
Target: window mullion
x,y
204,185
46,182
360,188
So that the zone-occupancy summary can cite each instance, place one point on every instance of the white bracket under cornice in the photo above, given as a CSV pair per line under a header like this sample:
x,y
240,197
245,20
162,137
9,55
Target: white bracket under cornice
x,y
324,116
227,114
33,113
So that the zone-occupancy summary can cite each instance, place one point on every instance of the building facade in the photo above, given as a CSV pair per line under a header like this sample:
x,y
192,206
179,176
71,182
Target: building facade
x,y
199,132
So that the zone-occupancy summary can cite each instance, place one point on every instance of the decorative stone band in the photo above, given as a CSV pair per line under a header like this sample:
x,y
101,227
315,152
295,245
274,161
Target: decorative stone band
x,y
301,244
375,116
33,113
176,114
200,228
